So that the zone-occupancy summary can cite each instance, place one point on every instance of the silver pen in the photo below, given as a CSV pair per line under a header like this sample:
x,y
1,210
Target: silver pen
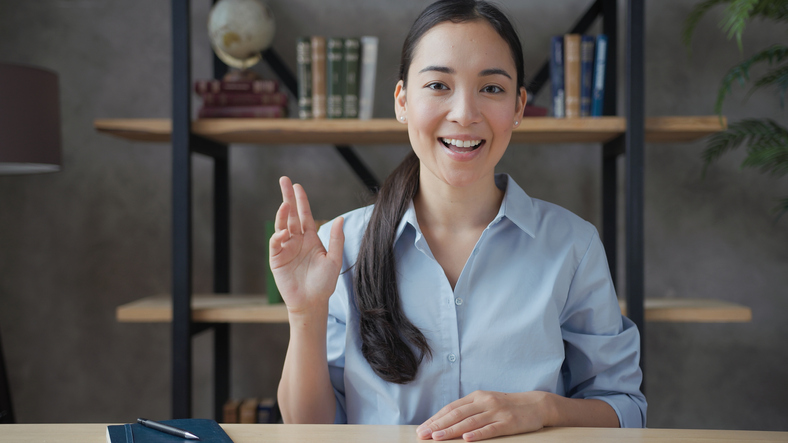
x,y
167,429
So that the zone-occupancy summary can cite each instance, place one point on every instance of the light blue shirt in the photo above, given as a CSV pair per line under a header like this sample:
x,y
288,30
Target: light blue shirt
x,y
534,309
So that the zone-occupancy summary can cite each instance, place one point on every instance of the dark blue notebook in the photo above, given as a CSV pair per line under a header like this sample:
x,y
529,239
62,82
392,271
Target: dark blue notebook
x,y
208,430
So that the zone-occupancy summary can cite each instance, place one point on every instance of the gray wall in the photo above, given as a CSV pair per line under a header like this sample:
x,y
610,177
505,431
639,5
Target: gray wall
x,y
76,244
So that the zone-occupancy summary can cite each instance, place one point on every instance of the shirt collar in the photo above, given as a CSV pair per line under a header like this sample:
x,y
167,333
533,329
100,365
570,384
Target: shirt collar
x,y
517,206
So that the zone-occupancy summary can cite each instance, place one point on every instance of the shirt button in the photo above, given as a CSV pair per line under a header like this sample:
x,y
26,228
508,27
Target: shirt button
x,y
452,358
458,301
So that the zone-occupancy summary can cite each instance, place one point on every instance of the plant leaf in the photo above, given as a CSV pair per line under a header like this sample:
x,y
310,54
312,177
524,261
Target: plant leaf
x,y
777,77
741,72
694,17
737,14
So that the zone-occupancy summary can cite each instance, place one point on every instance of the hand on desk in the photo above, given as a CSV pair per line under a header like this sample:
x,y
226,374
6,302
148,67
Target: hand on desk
x,y
305,273
483,414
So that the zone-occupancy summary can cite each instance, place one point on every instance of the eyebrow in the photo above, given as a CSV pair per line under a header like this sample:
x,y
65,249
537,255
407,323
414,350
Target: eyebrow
x,y
484,73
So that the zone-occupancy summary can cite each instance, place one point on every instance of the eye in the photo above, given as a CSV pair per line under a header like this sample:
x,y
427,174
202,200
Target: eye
x,y
436,86
492,89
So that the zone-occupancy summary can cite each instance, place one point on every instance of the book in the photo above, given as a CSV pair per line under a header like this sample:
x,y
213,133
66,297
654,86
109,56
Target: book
x,y
318,45
230,411
231,86
598,91
572,75
248,411
262,111
534,111
208,430
369,62
557,75
335,78
304,60
266,411
212,99
351,70
586,73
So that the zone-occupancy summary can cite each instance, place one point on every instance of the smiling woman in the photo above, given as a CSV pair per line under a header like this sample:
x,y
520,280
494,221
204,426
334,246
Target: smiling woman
x,y
456,302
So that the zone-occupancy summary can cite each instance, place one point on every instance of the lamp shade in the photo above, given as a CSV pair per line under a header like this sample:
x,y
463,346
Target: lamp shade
x,y
29,120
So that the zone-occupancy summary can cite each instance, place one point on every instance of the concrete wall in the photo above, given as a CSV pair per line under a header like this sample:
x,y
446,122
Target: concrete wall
x,y
76,244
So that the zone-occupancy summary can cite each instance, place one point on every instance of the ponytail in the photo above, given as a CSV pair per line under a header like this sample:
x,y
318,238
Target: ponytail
x,y
385,331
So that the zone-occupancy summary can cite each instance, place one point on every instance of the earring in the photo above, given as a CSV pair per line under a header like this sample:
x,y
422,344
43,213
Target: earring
x,y
402,118
516,123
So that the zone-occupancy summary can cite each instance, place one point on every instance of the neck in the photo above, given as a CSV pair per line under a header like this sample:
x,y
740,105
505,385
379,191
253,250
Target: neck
x,y
442,206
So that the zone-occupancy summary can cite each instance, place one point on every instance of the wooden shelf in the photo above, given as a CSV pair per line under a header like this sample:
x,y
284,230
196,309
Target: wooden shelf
x,y
695,310
212,308
380,131
206,308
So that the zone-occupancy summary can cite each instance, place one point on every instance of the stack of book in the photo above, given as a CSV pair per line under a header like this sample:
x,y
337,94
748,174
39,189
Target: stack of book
x,y
336,77
577,74
251,410
241,98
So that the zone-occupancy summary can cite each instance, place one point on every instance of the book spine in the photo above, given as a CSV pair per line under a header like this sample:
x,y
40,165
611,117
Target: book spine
x,y
318,77
230,411
598,94
248,410
369,63
214,99
235,86
351,70
304,60
557,76
334,76
586,74
572,74
243,112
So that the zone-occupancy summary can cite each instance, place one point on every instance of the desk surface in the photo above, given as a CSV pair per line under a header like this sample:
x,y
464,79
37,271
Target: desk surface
x,y
96,433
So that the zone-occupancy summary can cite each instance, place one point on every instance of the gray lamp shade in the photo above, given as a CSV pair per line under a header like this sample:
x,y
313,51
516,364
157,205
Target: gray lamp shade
x,y
29,120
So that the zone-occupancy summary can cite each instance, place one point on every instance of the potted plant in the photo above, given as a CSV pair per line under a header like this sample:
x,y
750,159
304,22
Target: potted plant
x,y
766,140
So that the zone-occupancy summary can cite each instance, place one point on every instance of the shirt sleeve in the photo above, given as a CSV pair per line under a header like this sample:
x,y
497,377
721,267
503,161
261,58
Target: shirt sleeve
x,y
602,347
335,334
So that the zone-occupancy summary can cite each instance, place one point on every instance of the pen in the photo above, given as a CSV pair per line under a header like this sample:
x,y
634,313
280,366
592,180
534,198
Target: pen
x,y
168,429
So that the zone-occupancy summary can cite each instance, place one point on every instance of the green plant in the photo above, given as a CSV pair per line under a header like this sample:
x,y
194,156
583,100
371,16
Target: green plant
x,y
766,141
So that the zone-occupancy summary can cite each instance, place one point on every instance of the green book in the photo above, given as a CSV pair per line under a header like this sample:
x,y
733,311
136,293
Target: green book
x,y
304,60
335,78
351,70
270,285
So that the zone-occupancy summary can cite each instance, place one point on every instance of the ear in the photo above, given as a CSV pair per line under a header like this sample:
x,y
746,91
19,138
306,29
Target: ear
x,y
522,99
400,103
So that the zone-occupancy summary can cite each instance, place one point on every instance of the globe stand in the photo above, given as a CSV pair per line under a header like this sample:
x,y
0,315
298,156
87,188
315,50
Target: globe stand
x,y
234,75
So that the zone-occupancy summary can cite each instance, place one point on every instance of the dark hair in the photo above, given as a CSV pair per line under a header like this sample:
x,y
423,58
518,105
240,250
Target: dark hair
x,y
392,345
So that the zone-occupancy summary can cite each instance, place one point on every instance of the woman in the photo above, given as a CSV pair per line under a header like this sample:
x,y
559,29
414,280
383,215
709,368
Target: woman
x,y
457,302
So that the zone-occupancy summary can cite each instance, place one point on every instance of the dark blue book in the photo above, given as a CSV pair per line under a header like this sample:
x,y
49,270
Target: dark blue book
x,y
557,75
586,73
598,94
208,430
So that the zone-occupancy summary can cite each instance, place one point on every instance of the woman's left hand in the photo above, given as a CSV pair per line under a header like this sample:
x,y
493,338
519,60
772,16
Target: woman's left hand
x,y
484,414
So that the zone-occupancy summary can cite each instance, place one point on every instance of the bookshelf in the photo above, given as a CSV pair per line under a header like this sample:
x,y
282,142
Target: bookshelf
x,y
617,134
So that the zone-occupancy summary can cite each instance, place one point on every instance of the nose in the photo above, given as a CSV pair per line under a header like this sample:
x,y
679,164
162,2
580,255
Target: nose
x,y
464,108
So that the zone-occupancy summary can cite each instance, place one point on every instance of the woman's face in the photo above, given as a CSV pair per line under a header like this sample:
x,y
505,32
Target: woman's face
x,y
461,102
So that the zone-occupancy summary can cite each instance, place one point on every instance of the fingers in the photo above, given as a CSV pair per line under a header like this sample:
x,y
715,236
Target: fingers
x,y
336,241
304,211
288,196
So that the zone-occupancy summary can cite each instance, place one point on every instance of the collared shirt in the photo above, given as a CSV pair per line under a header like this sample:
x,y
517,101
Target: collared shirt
x,y
534,309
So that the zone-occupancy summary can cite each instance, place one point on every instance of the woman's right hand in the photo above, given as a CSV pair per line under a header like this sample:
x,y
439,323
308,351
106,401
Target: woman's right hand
x,y
305,273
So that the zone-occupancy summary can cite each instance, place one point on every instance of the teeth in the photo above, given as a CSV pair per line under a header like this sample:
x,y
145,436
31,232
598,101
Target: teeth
x,y
461,143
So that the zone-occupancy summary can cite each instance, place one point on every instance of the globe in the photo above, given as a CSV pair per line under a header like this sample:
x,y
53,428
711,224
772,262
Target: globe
x,y
239,30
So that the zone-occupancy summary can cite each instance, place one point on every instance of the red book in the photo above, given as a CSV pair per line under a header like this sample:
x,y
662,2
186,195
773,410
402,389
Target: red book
x,y
534,111
211,99
234,86
263,111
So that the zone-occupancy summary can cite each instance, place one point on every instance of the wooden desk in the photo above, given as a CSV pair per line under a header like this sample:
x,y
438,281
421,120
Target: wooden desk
x,y
96,433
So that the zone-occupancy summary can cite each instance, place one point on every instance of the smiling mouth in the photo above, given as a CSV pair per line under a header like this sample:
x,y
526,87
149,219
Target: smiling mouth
x,y
462,145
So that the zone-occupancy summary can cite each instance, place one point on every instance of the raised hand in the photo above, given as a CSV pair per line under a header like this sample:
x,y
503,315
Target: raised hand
x,y
305,273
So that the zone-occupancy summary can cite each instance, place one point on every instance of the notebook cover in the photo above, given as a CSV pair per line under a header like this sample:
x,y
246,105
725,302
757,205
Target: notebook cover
x,y
209,431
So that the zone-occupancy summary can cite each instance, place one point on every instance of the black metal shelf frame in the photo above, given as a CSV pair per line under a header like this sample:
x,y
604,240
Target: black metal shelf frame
x,y
184,144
